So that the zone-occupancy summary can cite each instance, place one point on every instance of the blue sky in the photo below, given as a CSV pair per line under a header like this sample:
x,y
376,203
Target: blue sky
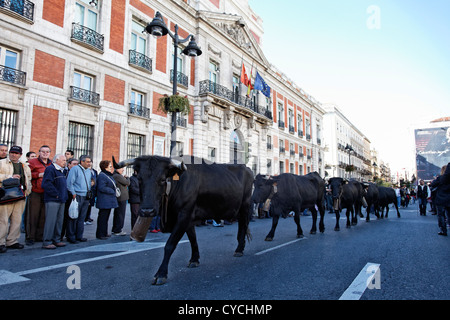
x,y
387,80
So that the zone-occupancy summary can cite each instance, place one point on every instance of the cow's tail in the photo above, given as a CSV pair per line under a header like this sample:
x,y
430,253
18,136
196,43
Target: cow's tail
x,y
248,234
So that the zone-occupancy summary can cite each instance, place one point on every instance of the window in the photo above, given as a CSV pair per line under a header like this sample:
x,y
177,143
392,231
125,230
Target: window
x,y
236,83
179,60
8,120
281,167
213,69
137,99
80,139
135,148
9,65
82,81
138,42
212,154
269,166
291,120
86,14
85,25
269,143
83,87
179,149
280,113
9,58
300,125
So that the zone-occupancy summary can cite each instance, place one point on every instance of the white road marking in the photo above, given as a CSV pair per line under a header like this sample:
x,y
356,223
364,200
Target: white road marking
x,y
7,277
359,285
279,246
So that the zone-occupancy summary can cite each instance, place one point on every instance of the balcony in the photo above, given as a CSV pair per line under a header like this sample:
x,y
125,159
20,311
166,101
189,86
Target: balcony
x,y
12,75
292,153
139,110
269,146
319,141
308,137
85,96
300,133
291,129
140,61
207,86
22,9
182,79
280,124
282,150
87,37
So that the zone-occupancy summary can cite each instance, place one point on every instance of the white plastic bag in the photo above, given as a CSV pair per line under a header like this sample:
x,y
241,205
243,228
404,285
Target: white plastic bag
x,y
73,209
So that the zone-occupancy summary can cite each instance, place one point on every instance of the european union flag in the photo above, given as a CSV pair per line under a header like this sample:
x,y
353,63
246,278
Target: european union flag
x,y
261,85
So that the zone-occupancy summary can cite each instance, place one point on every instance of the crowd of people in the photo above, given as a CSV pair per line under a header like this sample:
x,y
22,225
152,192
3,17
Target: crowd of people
x,y
50,186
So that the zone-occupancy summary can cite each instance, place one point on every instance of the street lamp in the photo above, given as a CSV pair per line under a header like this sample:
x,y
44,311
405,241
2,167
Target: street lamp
x,y
158,29
349,149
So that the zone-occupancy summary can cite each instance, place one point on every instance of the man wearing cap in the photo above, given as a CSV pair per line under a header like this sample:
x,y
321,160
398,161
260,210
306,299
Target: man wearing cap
x,y
12,167
36,214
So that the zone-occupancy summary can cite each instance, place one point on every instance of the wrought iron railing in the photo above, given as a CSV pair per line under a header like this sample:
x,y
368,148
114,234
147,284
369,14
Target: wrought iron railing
x,y
291,129
208,86
13,75
139,110
24,8
182,79
87,36
84,95
140,60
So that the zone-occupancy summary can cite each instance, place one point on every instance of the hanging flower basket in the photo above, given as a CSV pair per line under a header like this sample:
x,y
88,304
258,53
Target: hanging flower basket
x,y
174,103
350,168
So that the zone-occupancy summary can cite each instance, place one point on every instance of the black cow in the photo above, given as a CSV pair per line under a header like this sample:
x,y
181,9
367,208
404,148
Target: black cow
x,y
346,195
197,192
371,195
387,196
289,192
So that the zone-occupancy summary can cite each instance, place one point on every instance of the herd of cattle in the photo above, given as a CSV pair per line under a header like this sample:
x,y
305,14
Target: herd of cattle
x,y
187,191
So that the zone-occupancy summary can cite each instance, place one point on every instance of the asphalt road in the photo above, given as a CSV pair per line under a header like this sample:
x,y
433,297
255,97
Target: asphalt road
x,y
407,258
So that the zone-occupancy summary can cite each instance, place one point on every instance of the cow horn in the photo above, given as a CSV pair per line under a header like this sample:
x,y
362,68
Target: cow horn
x,y
179,164
122,164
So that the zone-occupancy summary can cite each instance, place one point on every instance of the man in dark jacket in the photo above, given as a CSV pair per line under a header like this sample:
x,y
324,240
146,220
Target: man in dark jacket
x,y
135,198
55,196
442,199
423,193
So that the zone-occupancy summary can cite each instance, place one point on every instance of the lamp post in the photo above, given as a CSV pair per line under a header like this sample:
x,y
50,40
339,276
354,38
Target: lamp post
x,y
349,149
158,28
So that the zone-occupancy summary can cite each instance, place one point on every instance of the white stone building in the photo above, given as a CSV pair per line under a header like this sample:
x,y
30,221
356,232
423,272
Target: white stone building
x,y
81,74
347,152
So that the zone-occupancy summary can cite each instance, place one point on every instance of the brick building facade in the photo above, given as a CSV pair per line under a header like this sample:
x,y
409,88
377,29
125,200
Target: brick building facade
x,y
81,74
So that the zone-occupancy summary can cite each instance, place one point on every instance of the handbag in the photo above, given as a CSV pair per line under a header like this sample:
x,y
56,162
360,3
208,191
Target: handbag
x,y
118,193
11,190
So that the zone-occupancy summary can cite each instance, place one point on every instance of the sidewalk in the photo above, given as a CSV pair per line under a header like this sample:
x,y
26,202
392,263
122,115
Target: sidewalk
x,y
89,230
